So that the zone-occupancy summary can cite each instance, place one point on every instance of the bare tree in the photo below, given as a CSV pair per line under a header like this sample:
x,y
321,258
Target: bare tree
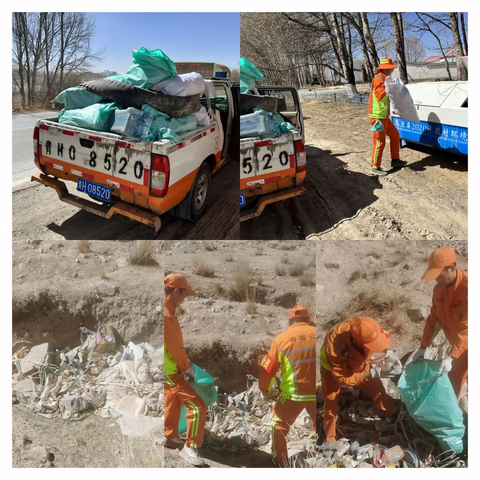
x,y
461,71
414,49
464,32
369,39
397,23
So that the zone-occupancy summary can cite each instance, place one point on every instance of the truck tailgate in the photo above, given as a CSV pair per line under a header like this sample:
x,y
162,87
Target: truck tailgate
x,y
265,160
100,157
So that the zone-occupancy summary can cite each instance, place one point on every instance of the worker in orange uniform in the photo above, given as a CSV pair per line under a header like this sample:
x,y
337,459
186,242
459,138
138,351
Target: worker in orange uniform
x,y
178,373
450,313
345,361
379,114
293,354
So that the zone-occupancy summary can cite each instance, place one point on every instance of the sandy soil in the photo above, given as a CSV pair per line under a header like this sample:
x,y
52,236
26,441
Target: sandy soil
x,y
219,334
391,272
39,214
425,200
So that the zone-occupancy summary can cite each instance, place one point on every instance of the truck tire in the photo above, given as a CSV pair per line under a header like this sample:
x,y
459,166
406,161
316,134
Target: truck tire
x,y
195,203
132,96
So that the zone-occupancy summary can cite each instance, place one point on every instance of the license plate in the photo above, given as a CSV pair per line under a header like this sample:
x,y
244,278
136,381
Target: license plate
x,y
94,189
242,200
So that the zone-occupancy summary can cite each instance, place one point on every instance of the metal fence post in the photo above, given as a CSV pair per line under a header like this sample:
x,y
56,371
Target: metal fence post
x,y
334,97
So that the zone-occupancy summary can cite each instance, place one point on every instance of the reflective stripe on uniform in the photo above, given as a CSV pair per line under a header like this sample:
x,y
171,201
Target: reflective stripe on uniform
x,y
377,150
170,367
323,359
196,419
169,381
274,422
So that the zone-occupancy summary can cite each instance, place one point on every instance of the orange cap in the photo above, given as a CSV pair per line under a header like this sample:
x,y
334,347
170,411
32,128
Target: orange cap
x,y
298,312
367,332
440,258
386,64
175,280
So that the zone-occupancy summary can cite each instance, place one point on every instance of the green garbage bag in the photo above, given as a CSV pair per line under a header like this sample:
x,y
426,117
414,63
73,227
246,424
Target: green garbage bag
x,y
164,127
283,125
431,402
77,97
205,387
377,126
149,68
249,74
99,117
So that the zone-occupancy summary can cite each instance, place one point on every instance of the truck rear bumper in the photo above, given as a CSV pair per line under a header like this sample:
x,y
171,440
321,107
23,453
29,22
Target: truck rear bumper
x,y
107,212
271,198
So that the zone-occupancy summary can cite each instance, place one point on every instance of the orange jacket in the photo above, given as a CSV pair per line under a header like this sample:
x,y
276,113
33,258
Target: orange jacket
x,y
378,105
174,349
294,353
348,363
449,312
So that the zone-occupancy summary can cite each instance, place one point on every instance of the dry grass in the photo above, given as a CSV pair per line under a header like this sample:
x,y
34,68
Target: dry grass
x,y
141,252
312,263
356,275
397,257
260,281
287,246
306,280
203,267
386,306
104,276
242,275
296,269
251,301
280,270
83,246
229,258
217,291
259,251
375,255
179,310
210,247
377,273
285,260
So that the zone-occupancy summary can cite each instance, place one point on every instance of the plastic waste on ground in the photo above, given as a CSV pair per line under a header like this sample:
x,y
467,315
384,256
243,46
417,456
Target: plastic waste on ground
x,y
249,74
401,99
205,387
77,97
132,123
431,402
149,68
182,85
98,117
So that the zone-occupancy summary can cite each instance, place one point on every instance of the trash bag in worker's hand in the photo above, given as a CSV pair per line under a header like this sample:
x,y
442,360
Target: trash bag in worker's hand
x,y
377,126
431,402
249,74
149,68
205,387
401,99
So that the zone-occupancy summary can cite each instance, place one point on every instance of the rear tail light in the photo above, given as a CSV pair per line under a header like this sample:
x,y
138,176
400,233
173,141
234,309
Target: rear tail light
x,y
36,154
301,156
159,175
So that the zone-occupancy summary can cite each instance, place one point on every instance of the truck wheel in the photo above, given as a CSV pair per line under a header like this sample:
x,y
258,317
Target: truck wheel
x,y
195,203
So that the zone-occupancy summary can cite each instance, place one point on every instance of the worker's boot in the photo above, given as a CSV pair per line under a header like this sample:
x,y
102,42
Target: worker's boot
x,y
396,162
191,456
174,443
379,172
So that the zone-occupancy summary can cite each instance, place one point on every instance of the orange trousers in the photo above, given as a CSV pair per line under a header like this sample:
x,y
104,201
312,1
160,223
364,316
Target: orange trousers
x,y
331,389
379,141
459,372
285,413
177,392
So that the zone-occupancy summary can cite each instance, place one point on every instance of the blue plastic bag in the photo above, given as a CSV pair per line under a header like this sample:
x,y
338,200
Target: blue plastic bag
x,y
249,74
377,126
431,402
205,387
77,97
99,117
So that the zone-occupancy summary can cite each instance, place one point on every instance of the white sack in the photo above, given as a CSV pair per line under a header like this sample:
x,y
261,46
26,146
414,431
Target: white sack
x,y
182,85
203,120
402,101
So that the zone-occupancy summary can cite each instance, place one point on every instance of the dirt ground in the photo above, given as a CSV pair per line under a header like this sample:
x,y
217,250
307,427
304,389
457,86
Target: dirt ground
x,y
54,294
222,332
425,200
388,276
39,214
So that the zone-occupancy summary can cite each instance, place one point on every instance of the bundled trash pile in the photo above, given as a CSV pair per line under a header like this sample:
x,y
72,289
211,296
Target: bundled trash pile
x,y
260,117
97,377
239,421
149,102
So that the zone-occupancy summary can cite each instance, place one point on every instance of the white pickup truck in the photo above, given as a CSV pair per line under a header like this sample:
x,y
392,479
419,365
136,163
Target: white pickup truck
x,y
140,180
273,168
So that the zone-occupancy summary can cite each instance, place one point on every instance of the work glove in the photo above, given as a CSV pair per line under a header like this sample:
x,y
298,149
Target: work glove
x,y
376,372
418,353
190,374
445,366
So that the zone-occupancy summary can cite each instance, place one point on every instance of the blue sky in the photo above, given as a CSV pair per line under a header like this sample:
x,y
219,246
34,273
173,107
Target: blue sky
x,y
202,37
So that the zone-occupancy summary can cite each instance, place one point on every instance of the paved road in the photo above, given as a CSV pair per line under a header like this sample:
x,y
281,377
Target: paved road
x,y
22,161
